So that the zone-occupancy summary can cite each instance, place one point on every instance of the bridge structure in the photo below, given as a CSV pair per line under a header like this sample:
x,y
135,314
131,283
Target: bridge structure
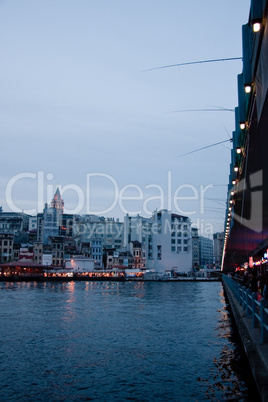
x,y
251,318
246,220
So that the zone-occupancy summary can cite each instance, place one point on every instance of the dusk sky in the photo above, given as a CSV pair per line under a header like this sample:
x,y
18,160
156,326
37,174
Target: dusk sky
x,y
76,102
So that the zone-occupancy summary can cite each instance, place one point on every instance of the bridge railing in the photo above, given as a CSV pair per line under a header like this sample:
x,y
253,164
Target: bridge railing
x,y
254,309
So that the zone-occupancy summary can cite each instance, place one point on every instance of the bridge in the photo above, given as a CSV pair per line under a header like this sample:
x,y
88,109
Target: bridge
x,y
246,220
251,317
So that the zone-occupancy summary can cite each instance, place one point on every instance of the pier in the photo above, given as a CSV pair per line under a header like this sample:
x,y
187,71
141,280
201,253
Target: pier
x,y
251,318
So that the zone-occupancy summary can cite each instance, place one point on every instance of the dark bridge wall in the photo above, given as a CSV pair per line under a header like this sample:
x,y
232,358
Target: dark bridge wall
x,y
247,236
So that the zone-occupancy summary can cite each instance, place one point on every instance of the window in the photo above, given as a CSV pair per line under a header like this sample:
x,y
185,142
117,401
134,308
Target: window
x,y
179,241
185,248
173,248
172,241
178,249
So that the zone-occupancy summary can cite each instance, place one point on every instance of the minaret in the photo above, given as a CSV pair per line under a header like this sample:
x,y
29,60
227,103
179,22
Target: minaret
x,y
57,202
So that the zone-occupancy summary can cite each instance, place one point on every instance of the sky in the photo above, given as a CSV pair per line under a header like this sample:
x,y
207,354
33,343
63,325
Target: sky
x,y
79,110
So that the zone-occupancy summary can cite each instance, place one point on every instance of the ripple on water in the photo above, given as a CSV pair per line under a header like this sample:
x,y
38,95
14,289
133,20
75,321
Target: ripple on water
x,y
119,341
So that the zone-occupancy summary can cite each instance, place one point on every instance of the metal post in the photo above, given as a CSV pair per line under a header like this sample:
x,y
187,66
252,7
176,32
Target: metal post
x,y
240,295
244,297
264,321
255,321
248,312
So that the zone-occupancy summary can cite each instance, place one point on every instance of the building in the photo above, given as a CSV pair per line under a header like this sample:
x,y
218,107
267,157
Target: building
x,y
6,247
26,252
93,234
38,252
49,222
246,221
138,255
171,243
79,264
218,241
135,229
32,224
57,243
119,259
195,248
165,239
205,252
21,269
13,222
57,202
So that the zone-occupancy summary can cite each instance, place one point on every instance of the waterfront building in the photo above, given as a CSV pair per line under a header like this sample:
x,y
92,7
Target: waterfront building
x,y
138,255
165,238
6,247
38,252
47,256
195,248
118,259
57,243
136,228
70,248
22,269
26,252
171,243
205,251
97,233
79,264
218,240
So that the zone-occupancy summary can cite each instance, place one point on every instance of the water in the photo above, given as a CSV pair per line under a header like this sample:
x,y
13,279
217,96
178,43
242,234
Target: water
x,y
120,341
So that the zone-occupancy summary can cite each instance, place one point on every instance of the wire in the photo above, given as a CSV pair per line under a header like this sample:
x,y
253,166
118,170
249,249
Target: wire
x,y
203,110
193,62
200,149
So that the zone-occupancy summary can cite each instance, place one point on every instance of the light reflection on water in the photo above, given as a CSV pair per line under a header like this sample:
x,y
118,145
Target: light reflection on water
x,y
117,341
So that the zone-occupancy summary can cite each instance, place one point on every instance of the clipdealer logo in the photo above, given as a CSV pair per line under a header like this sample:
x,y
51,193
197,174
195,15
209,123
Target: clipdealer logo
x,y
255,221
131,199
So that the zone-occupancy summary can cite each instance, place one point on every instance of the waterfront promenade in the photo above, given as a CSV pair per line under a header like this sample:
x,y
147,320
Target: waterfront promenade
x,y
255,346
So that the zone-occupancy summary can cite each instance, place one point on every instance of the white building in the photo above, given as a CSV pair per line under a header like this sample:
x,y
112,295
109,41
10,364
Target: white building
x,y
33,223
79,264
166,240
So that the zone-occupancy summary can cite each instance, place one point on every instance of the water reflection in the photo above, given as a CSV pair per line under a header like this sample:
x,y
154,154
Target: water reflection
x,y
70,308
231,368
